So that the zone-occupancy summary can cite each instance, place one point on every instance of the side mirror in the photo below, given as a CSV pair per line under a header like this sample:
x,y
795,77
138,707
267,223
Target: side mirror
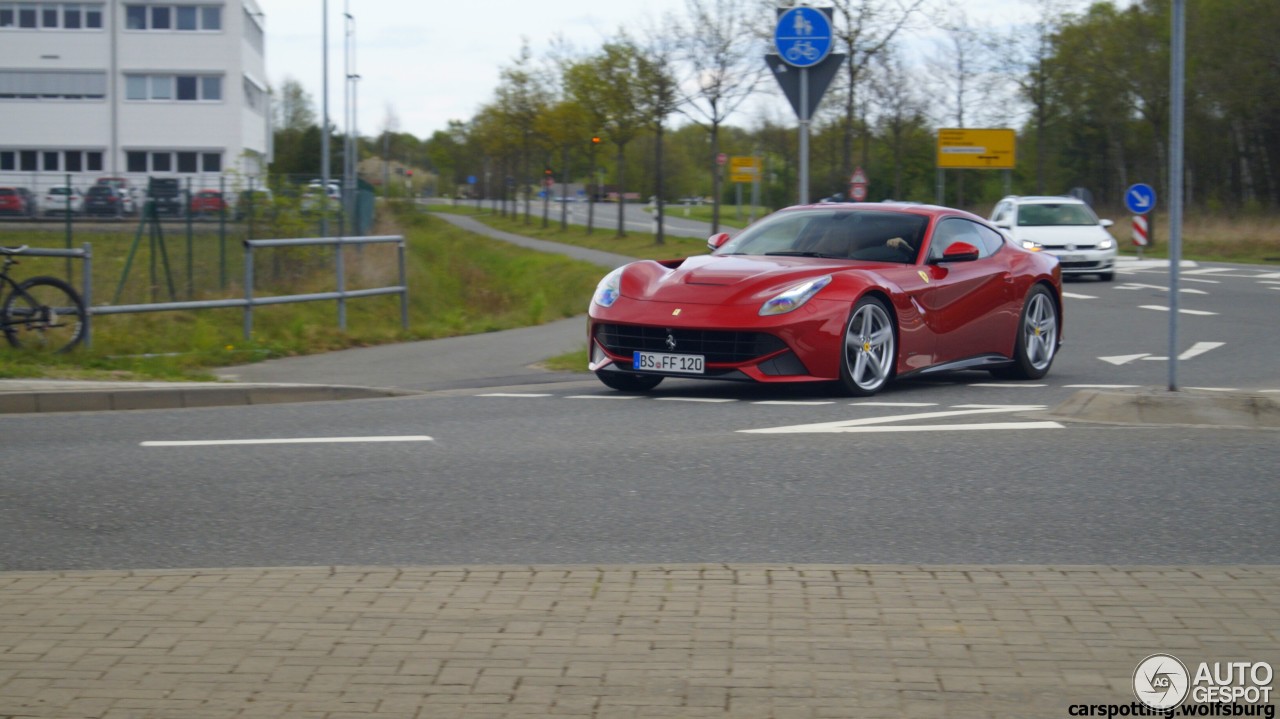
x,y
716,241
959,252
1105,223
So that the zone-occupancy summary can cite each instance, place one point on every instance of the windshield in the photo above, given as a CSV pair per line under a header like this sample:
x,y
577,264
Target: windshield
x,y
1047,215
871,235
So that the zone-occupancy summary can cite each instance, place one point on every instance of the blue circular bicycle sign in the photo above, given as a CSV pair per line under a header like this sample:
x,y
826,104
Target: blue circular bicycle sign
x,y
803,36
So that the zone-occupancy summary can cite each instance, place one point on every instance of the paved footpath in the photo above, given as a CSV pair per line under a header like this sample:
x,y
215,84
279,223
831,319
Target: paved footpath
x,y
626,641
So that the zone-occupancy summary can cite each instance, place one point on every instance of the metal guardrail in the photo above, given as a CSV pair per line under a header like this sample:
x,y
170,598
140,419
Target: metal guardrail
x,y
249,301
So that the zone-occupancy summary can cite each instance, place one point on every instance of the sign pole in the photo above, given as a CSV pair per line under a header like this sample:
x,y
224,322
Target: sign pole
x,y
804,136
1177,80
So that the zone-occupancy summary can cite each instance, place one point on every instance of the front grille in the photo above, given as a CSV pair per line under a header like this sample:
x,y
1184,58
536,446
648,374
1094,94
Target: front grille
x,y
718,346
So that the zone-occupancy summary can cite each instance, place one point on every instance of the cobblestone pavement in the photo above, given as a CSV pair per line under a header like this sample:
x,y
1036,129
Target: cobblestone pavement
x,y
619,641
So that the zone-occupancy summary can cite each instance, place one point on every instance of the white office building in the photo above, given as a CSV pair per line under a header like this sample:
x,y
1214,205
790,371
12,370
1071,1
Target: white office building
x,y
132,88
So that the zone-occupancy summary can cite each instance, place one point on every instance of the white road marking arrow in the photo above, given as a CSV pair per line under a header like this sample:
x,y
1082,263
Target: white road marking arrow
x,y
1124,359
1196,350
876,424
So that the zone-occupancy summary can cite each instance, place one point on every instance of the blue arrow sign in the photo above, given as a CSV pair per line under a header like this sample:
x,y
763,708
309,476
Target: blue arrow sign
x,y
803,36
1140,198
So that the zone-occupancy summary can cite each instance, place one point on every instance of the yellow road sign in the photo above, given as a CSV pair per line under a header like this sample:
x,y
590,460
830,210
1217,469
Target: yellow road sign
x,y
965,149
744,168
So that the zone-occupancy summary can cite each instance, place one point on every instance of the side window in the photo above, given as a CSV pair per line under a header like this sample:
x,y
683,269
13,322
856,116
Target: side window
x,y
992,241
955,229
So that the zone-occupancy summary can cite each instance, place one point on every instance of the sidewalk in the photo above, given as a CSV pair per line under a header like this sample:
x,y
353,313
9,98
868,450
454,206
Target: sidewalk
x,y
626,641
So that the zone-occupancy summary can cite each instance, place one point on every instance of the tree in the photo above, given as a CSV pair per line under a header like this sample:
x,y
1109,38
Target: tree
x,y
864,28
659,98
521,97
721,51
607,86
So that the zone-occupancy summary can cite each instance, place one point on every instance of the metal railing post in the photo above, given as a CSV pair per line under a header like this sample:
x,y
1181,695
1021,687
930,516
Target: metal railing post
x,y
86,292
404,287
342,288
248,291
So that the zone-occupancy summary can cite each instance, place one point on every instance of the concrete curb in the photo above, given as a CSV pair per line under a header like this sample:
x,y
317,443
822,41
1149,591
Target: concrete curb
x,y
100,399
1159,406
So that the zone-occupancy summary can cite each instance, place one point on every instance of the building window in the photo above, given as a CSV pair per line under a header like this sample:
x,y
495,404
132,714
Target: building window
x,y
28,159
182,161
51,84
186,18
212,161
51,16
186,162
136,161
135,17
8,160
186,88
50,161
94,161
162,161
73,161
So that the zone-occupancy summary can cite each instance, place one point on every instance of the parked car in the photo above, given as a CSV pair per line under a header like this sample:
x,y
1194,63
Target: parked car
x,y
166,194
1064,227
106,200
13,202
207,203
33,202
61,200
851,293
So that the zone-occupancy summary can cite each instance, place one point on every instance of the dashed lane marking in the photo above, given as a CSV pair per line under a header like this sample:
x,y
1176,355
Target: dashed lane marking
x,y
694,399
1074,296
788,403
893,404
289,440
1101,386
1161,308
603,396
513,394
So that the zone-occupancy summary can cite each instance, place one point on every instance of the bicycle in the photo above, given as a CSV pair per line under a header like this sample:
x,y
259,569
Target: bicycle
x,y
42,312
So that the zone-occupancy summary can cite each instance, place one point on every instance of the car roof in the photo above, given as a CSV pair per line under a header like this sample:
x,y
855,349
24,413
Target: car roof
x,y
907,208
1045,200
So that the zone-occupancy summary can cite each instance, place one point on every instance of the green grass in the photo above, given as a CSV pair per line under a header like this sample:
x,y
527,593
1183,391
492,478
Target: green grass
x,y
459,284
575,361
603,237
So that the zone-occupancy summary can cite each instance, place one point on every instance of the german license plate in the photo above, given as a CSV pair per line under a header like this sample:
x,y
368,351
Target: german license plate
x,y
663,362
1071,258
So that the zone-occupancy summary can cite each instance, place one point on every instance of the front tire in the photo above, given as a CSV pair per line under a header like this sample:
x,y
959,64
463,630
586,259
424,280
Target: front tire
x,y
628,382
44,313
870,352
1037,341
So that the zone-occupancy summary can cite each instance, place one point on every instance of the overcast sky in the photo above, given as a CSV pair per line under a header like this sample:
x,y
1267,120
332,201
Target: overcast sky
x,y
431,61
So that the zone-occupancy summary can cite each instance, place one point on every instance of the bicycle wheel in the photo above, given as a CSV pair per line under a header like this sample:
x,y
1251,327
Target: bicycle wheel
x,y
44,313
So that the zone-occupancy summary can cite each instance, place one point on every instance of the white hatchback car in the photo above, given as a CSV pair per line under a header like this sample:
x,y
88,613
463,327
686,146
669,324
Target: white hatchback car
x,y
1062,226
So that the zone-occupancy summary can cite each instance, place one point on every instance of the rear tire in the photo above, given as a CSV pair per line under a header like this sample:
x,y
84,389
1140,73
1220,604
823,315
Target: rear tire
x,y
1037,341
44,313
628,382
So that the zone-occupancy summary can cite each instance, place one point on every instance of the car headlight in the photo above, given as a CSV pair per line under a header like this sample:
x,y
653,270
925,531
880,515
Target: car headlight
x,y
1107,243
793,297
607,291
1032,245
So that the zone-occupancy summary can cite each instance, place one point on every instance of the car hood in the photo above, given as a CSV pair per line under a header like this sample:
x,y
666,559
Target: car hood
x,y
1057,236
724,279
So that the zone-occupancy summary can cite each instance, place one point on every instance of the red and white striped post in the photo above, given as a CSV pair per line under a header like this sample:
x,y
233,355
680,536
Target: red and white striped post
x,y
1141,234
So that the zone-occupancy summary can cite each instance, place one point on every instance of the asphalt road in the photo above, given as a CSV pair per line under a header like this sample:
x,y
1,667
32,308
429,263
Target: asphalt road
x,y
957,469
